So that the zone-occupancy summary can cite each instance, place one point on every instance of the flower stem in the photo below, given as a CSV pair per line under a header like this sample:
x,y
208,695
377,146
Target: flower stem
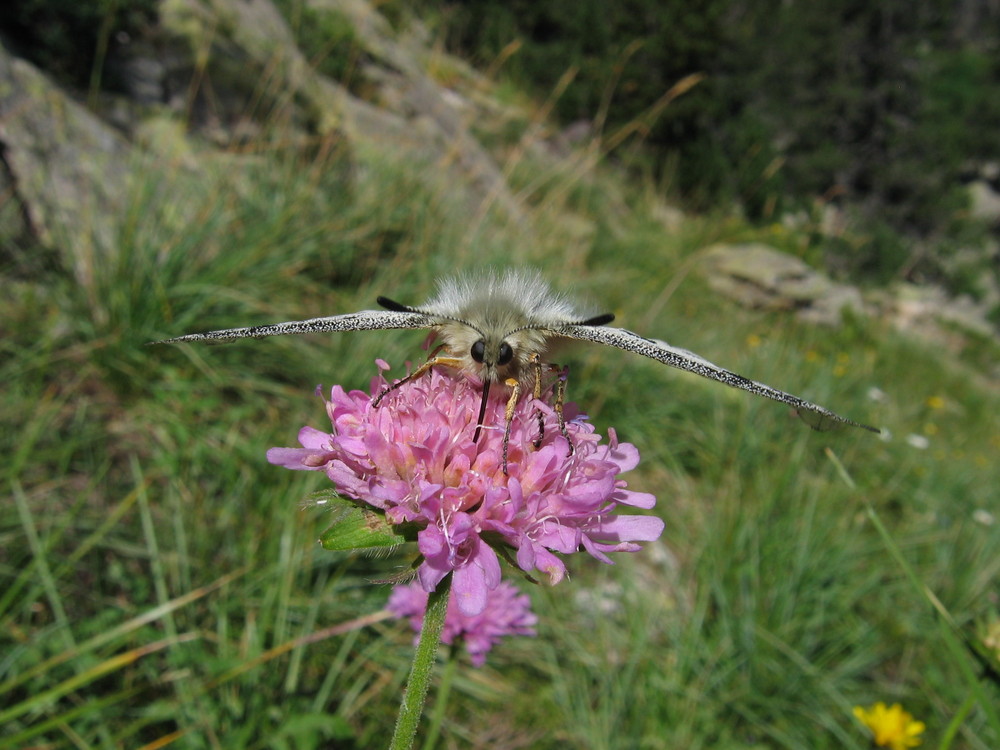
x,y
441,699
423,664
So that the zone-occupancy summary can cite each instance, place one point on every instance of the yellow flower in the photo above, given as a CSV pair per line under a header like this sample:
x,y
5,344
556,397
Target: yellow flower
x,y
893,727
840,369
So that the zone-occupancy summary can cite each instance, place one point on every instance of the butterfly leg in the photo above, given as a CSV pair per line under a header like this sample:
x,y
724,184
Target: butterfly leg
x,y
422,370
560,392
515,394
560,395
536,365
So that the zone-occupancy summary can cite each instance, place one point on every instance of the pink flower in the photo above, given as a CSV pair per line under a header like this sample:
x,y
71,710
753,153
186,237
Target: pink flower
x,y
414,458
507,612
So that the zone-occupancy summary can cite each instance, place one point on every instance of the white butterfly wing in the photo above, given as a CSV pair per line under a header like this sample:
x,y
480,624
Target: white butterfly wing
x,y
366,320
815,416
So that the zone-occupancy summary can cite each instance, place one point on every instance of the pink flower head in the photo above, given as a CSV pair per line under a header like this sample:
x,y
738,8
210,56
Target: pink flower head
x,y
414,458
507,612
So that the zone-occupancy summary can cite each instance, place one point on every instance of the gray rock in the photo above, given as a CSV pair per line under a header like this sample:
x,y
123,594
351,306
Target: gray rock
x,y
70,172
758,276
426,118
929,313
14,229
984,202
143,78
255,71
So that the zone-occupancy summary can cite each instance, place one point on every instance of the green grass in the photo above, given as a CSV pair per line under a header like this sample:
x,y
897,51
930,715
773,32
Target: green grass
x,y
159,581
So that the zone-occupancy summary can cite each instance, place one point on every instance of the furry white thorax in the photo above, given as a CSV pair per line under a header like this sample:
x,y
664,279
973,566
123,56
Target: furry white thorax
x,y
516,307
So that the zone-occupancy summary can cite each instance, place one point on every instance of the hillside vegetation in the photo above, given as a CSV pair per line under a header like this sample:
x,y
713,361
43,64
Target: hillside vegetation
x,y
883,109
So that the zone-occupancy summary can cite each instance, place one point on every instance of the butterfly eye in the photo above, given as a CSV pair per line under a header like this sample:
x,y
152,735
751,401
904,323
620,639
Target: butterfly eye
x,y
506,354
478,351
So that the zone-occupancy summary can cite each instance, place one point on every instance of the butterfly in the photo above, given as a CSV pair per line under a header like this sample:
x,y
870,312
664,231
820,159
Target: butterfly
x,y
497,327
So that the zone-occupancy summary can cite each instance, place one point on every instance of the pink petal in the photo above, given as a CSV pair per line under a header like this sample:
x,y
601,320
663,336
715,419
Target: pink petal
x,y
469,587
629,529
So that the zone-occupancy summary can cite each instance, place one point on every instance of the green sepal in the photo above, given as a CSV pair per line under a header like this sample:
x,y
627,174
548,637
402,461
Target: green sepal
x,y
358,527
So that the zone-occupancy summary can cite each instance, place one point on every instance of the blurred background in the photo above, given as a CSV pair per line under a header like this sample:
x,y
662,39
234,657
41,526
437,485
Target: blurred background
x,y
805,193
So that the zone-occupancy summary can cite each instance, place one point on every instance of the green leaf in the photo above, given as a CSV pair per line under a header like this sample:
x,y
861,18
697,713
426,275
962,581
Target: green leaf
x,y
359,527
